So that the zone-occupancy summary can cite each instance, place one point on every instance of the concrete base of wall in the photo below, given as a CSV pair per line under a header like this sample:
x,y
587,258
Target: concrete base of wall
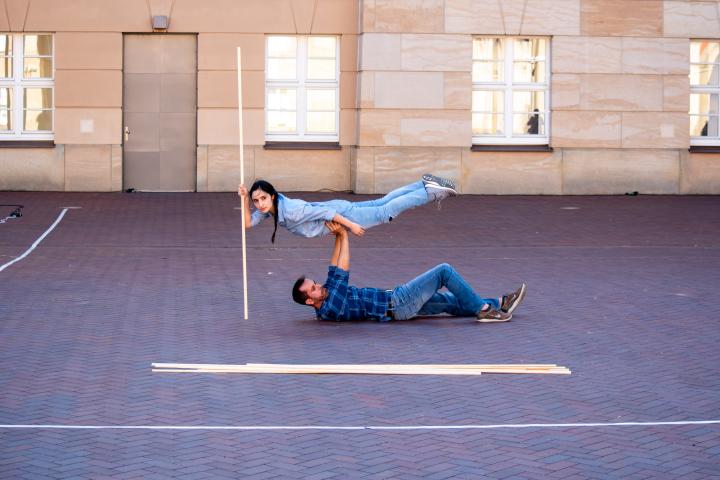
x,y
69,168
565,171
39,169
289,170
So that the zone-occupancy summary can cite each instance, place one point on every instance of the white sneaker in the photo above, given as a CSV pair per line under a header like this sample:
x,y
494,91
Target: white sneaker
x,y
438,194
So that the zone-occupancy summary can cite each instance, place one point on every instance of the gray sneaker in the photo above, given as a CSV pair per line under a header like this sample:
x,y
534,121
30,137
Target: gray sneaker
x,y
438,189
443,183
491,315
512,300
438,194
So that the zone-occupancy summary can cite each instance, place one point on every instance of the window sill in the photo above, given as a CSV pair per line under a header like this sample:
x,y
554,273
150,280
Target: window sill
x,y
302,146
510,148
704,149
27,144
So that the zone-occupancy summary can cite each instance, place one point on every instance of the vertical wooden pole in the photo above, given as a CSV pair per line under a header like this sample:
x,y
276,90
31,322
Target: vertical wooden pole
x,y
242,178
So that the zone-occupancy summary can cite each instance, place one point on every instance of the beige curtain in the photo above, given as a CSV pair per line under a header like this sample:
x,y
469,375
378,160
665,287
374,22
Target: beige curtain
x,y
45,48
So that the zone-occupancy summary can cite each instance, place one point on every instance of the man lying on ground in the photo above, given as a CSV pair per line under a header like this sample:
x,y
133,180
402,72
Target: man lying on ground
x,y
336,300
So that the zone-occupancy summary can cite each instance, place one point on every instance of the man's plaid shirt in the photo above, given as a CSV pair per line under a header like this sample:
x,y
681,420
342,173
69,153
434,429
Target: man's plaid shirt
x,y
351,303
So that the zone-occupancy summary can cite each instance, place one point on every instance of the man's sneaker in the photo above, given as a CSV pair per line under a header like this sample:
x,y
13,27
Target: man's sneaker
x,y
442,183
491,315
512,300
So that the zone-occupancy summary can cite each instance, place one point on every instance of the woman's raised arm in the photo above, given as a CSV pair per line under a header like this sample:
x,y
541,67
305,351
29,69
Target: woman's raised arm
x,y
244,197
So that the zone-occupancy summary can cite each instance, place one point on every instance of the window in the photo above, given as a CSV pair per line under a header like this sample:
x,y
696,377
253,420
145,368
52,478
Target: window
x,y
510,98
27,72
301,89
704,92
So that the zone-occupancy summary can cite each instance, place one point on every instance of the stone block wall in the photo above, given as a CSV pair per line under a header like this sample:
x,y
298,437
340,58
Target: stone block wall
x,y
619,93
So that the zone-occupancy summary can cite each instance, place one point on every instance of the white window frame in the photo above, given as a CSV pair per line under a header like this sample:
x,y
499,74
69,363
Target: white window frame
x,y
507,86
712,89
17,83
301,84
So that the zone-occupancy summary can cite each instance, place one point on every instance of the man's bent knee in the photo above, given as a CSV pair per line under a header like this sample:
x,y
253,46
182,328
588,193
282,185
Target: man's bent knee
x,y
447,268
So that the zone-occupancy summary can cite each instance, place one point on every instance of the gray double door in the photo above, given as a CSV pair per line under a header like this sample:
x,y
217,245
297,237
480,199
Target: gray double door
x,y
159,112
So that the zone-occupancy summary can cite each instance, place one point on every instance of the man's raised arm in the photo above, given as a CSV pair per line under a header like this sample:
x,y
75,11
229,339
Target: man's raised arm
x,y
341,251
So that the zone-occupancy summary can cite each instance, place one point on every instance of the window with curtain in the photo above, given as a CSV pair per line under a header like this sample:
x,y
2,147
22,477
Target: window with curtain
x,y
26,86
704,92
510,97
302,88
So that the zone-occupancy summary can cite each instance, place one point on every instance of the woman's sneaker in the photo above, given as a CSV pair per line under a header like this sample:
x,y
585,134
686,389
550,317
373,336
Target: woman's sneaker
x,y
490,315
512,300
438,189
441,183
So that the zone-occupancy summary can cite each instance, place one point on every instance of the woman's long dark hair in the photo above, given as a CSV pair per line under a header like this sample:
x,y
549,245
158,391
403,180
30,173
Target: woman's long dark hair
x,y
270,190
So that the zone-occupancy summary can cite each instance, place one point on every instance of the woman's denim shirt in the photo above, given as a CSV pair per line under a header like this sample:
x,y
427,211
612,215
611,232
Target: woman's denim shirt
x,y
300,217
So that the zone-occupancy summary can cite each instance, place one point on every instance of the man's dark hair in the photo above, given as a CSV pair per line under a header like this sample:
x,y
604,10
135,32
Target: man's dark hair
x,y
299,296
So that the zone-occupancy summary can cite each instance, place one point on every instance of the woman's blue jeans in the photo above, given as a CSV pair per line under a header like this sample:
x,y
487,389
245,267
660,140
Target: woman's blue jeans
x,y
420,296
382,210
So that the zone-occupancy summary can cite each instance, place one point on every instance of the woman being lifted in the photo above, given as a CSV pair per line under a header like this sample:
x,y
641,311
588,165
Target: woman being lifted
x,y
308,218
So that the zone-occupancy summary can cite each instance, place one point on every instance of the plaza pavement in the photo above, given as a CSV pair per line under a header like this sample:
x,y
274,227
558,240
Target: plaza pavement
x,y
621,289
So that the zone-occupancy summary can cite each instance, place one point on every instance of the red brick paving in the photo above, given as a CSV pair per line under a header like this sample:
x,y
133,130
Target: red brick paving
x,y
622,290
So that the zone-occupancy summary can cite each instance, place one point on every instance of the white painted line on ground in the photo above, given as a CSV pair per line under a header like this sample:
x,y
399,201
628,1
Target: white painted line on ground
x,y
369,427
37,242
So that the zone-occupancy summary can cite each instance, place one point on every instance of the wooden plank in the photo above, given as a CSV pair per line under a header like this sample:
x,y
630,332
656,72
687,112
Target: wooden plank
x,y
281,365
323,371
387,371
373,369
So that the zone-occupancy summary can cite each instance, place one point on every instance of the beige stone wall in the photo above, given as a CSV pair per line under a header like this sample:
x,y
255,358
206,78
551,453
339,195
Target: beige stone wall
x,y
88,108
619,93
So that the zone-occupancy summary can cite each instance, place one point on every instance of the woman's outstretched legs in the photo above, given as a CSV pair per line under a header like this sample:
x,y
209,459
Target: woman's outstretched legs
x,y
369,216
398,192
383,210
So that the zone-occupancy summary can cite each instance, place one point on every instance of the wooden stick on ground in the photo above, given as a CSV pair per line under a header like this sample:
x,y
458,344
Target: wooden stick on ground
x,y
377,369
409,365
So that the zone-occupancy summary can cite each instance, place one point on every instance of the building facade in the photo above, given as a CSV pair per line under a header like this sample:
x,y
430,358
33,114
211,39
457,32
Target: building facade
x,y
506,96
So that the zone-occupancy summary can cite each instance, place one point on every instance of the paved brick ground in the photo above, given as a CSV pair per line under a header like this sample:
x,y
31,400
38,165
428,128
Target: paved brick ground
x,y
621,289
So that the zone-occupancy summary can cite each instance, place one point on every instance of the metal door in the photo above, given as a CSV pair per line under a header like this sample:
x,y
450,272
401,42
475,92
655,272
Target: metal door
x,y
159,112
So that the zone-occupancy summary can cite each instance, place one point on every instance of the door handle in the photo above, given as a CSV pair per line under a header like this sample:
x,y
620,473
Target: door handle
x,y
127,133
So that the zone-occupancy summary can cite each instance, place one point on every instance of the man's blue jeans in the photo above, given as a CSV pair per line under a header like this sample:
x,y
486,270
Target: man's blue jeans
x,y
382,210
420,295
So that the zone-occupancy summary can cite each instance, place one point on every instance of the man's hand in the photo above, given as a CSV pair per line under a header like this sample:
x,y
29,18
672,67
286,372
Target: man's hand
x,y
335,228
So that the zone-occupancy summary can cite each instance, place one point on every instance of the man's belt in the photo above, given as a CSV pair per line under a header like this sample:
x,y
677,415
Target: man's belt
x,y
390,313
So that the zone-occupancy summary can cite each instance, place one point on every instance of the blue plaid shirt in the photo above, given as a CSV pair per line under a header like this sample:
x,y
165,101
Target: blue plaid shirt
x,y
351,303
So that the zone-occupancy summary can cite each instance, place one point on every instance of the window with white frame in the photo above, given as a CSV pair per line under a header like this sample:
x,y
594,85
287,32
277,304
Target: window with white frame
x,y
704,92
510,98
27,73
302,88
